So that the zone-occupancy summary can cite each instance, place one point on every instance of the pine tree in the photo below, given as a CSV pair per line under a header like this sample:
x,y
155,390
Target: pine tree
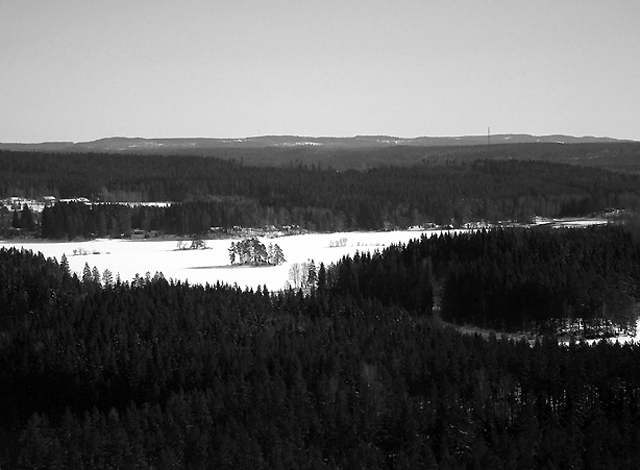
x,y
322,277
26,218
232,253
64,264
260,255
15,222
107,278
96,275
278,255
87,275
312,277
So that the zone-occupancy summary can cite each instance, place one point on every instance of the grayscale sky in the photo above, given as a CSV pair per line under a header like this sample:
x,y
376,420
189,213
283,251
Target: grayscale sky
x,y
79,70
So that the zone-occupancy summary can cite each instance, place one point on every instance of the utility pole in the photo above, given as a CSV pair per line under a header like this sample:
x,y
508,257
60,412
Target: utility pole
x,y
488,135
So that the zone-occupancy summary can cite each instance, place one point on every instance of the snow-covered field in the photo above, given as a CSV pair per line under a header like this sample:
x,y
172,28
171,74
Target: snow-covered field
x,y
131,257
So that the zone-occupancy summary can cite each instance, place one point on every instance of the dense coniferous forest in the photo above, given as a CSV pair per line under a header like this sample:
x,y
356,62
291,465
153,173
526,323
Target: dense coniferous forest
x,y
544,281
359,373
208,191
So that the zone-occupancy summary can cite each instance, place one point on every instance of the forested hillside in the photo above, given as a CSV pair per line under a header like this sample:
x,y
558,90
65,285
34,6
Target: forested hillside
x,y
212,192
583,281
153,374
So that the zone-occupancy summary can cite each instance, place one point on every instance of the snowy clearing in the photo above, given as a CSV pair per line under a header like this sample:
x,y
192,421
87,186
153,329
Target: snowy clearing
x,y
131,257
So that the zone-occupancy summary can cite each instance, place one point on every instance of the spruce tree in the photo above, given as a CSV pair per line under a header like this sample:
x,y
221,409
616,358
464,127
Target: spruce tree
x,y
64,264
87,275
107,278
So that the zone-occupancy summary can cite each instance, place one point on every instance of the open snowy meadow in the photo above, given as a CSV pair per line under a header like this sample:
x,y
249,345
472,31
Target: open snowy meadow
x,y
131,257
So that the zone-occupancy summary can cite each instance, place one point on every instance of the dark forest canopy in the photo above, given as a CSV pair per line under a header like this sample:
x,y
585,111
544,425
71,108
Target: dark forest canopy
x,y
217,192
159,177
157,374
550,281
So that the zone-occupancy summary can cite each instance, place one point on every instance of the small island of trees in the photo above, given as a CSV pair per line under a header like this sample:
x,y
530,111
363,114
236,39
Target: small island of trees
x,y
253,252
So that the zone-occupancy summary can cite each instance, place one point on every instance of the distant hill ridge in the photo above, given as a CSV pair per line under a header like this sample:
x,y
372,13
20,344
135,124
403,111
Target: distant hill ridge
x,y
124,144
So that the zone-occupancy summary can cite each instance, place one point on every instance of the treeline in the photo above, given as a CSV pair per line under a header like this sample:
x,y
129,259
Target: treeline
x,y
210,192
71,220
157,374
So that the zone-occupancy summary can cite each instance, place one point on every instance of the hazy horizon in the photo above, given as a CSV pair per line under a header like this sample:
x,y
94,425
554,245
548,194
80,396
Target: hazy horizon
x,y
79,71
478,136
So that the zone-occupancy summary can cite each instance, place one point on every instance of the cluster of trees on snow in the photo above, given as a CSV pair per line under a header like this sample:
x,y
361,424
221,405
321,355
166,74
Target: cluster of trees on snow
x,y
355,374
214,192
253,252
195,244
305,275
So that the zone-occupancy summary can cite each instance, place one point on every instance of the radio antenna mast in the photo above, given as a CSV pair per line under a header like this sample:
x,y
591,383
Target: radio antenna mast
x,y
488,135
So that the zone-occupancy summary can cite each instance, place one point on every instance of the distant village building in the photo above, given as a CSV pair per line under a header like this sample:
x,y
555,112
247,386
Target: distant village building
x,y
16,203
49,201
